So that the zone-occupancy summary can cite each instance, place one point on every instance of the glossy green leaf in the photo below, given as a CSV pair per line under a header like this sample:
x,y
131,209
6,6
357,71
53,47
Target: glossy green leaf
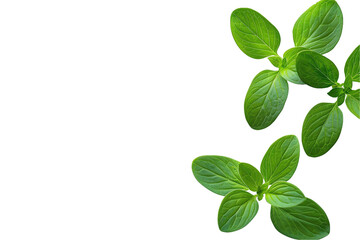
x,y
316,70
320,27
284,194
254,34
275,61
321,128
341,99
250,176
237,209
288,69
348,84
353,102
304,221
352,66
281,159
335,92
218,174
265,99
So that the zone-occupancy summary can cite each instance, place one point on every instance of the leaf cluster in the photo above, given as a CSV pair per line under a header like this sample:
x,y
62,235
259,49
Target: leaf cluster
x,y
322,125
316,32
258,38
292,214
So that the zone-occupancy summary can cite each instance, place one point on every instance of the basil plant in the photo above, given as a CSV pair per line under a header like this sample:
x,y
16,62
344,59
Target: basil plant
x,y
318,29
323,123
316,32
243,186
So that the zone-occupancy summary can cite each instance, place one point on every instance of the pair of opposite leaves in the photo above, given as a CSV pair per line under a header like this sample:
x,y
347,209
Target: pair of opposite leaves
x,y
292,214
316,32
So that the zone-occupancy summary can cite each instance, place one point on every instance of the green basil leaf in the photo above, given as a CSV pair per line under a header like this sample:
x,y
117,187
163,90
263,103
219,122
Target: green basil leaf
x,y
237,210
265,99
348,84
304,221
320,27
321,128
250,176
316,70
275,61
353,102
284,194
335,92
340,99
254,34
288,68
352,66
218,174
281,159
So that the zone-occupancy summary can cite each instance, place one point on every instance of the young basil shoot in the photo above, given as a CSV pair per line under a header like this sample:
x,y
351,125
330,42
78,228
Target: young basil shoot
x,y
303,64
258,39
234,180
323,123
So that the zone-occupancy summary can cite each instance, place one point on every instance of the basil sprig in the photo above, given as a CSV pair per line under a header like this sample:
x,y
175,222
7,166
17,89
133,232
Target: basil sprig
x,y
322,125
292,214
316,32
318,29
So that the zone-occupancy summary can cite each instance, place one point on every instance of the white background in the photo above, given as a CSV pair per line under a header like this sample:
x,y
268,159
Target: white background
x,y
104,105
